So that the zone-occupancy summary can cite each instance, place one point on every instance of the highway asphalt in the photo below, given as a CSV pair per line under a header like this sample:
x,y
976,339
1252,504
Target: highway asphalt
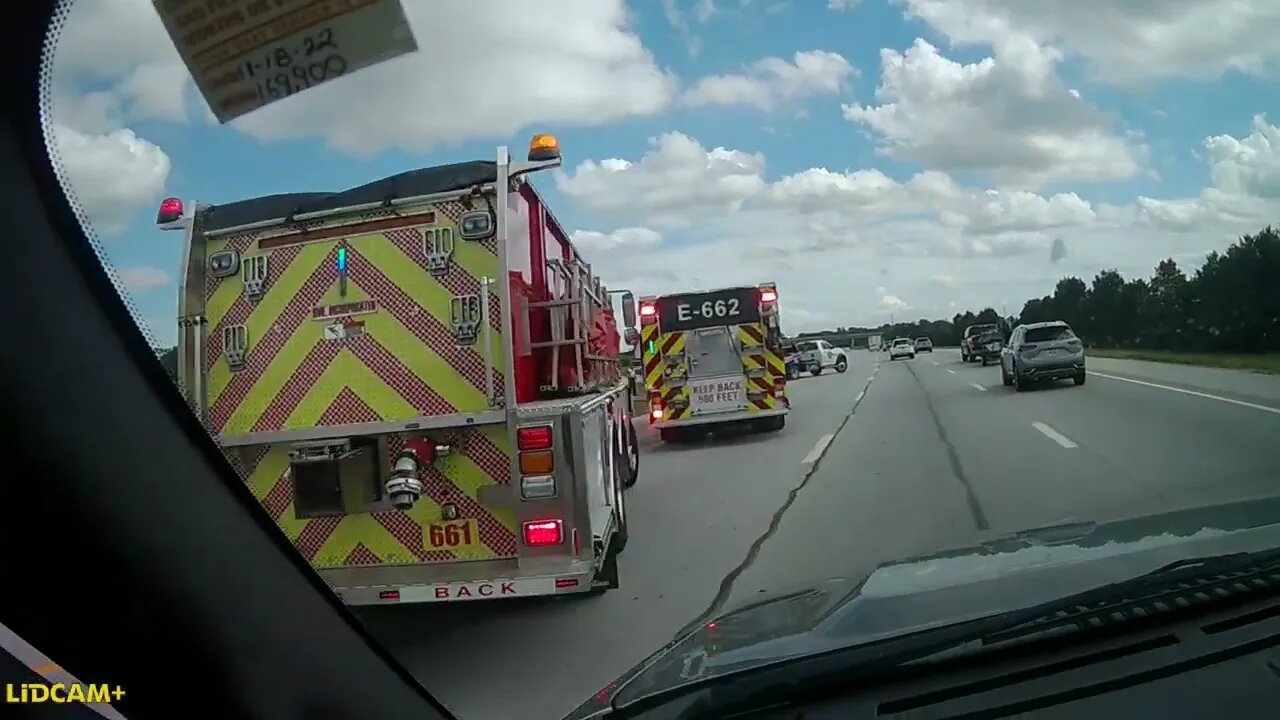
x,y
886,460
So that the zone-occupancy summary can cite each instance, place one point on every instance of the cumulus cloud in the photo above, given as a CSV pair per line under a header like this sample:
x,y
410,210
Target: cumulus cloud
x,y
674,182
113,65
1123,42
826,235
1245,190
819,232
141,278
111,175
1008,115
621,240
118,54
769,82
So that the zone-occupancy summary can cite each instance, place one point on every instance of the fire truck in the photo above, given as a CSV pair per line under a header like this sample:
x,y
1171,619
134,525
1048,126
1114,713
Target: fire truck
x,y
418,379
713,358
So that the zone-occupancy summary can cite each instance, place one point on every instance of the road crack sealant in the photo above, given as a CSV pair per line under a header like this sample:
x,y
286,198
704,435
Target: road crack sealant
x,y
727,583
957,469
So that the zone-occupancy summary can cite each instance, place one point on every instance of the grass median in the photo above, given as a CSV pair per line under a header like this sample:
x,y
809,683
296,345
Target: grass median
x,y
1264,363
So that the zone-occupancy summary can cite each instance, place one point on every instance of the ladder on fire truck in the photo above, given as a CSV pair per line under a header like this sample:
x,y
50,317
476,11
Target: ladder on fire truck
x,y
578,297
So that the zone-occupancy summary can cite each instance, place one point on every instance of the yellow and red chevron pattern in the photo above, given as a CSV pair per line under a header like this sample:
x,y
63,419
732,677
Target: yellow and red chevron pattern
x,y
406,363
650,357
482,457
755,367
675,395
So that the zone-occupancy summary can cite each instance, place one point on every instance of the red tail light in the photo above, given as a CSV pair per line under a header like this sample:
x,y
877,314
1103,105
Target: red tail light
x,y
768,296
543,532
171,209
648,310
537,437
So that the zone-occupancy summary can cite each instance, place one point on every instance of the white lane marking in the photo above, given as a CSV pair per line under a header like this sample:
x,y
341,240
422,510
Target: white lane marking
x,y
976,386
1054,435
1184,391
953,372
816,452
935,362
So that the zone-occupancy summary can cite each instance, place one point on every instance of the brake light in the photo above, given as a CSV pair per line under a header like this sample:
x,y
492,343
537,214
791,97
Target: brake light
x,y
656,414
648,310
543,532
537,437
768,296
171,209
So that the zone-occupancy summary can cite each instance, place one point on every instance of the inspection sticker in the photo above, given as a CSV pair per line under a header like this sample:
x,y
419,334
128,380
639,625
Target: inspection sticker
x,y
244,54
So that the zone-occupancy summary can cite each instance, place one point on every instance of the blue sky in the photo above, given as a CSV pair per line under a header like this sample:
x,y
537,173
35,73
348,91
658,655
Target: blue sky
x,y
904,159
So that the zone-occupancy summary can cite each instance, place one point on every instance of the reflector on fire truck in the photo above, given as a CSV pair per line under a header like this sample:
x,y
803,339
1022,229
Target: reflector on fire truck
x,y
426,420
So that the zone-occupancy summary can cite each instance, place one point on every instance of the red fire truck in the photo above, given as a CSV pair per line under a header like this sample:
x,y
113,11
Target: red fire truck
x,y
418,378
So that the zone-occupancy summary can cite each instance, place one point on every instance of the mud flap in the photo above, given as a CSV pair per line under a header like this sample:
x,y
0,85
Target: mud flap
x,y
607,578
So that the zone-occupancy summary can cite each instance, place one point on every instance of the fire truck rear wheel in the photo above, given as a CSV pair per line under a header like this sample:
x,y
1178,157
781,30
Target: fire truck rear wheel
x,y
632,458
620,534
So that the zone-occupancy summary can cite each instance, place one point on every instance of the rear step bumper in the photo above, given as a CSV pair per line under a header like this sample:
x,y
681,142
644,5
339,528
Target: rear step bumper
x,y
460,581
736,416
1052,372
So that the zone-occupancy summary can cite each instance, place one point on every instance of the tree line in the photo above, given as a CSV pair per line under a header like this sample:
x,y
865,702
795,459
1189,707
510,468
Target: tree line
x,y
1230,304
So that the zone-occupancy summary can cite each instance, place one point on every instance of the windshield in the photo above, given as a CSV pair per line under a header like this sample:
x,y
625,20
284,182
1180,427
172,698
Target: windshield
x,y
389,259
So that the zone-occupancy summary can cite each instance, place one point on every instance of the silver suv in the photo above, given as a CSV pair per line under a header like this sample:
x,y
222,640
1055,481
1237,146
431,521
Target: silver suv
x,y
1042,351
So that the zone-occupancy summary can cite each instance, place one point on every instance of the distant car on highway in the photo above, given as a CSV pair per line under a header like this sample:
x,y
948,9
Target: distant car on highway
x,y
924,344
1042,351
902,347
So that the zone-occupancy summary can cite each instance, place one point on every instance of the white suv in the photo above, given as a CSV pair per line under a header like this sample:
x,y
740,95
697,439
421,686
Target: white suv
x,y
902,347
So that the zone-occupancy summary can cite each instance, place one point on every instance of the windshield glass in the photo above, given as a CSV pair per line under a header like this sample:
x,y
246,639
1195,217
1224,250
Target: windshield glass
x,y
384,258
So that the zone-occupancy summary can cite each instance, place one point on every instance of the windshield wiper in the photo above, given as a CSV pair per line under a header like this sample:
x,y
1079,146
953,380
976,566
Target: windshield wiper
x,y
1176,586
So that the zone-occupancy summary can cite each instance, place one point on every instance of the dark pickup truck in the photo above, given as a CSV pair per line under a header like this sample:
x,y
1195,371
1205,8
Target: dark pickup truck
x,y
981,342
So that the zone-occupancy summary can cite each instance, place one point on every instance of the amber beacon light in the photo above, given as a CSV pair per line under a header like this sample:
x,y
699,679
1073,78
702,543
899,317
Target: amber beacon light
x,y
544,147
